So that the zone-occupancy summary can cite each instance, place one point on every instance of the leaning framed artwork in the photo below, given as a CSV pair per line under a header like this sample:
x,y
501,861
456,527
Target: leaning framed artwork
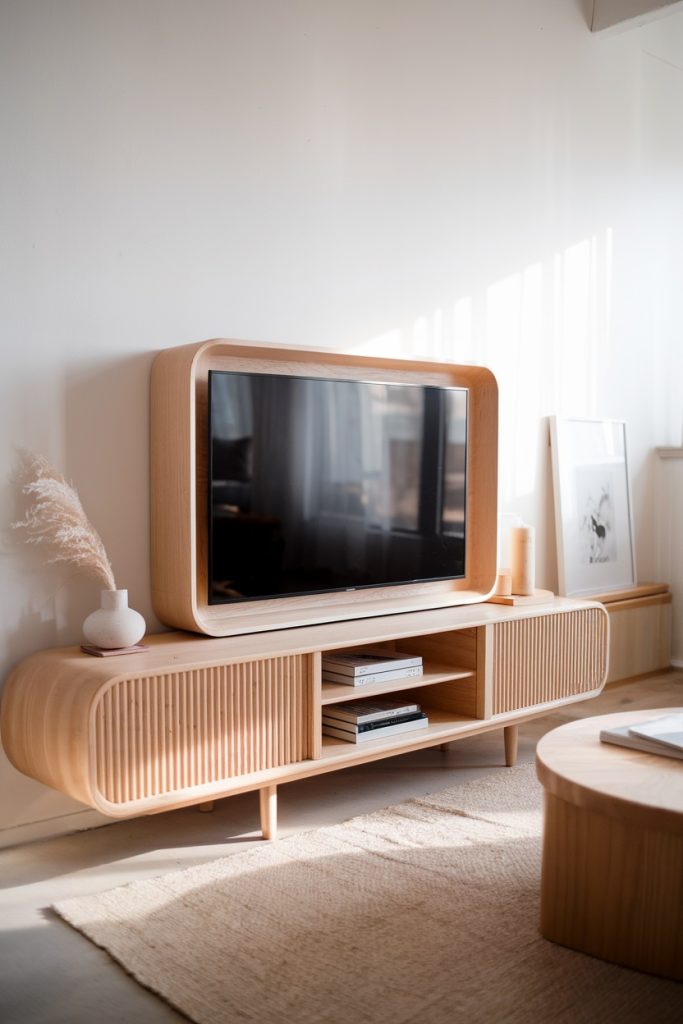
x,y
593,517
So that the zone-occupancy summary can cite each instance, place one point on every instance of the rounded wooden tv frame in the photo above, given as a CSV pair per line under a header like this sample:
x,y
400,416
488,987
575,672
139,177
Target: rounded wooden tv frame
x,y
178,480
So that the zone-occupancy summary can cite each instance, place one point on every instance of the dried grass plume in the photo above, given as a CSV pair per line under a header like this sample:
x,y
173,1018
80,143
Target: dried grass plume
x,y
56,519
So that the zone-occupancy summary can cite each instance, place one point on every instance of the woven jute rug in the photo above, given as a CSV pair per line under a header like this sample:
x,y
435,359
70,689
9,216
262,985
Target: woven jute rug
x,y
424,912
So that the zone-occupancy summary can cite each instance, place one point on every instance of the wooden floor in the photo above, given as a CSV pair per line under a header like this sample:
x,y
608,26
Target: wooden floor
x,y
49,973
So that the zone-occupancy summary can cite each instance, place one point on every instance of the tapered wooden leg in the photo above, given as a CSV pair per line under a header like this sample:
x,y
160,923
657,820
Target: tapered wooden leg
x,y
268,808
510,736
206,807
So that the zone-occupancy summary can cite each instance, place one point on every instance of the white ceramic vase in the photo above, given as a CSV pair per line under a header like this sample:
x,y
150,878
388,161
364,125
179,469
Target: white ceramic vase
x,y
114,624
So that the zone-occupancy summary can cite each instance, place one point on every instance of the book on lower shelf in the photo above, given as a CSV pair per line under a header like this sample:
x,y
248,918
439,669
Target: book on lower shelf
x,y
365,663
373,730
623,736
360,712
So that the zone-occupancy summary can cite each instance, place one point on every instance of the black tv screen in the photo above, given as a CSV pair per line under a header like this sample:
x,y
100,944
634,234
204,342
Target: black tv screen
x,y
320,485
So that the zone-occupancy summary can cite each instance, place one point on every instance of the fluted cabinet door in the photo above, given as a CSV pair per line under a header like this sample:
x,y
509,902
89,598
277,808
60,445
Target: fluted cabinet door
x,y
150,741
547,658
160,734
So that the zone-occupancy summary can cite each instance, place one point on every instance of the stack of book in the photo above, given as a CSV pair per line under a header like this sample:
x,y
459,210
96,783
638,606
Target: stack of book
x,y
356,721
661,735
354,669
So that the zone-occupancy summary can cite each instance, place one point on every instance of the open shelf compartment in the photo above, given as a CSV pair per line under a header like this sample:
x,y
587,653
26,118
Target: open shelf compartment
x,y
448,691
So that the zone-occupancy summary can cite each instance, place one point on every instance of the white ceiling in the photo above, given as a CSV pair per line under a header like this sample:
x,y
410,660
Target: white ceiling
x,y
621,14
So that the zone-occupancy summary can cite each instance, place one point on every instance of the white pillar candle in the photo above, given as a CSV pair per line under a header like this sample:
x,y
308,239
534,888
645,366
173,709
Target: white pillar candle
x,y
523,559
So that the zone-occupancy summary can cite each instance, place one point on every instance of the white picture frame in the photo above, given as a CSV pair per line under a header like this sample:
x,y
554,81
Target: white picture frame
x,y
593,510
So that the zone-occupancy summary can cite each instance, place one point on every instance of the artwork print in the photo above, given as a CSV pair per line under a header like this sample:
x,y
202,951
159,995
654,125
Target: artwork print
x,y
595,490
592,506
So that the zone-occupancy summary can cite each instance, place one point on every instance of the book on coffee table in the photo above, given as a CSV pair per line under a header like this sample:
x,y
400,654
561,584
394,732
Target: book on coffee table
x,y
666,729
622,736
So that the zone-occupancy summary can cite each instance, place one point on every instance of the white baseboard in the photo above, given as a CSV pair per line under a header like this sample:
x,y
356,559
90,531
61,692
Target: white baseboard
x,y
677,662
52,827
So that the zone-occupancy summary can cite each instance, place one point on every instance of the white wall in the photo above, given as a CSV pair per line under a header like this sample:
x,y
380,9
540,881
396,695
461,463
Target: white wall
x,y
481,182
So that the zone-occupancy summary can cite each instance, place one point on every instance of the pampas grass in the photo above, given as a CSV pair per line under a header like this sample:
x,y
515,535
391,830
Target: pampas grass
x,y
56,519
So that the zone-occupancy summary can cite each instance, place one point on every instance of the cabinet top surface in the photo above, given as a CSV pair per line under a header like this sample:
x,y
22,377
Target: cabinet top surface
x,y
576,766
174,650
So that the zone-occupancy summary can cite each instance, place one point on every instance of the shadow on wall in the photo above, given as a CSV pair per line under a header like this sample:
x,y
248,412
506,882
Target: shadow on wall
x,y
106,419
105,455
101,446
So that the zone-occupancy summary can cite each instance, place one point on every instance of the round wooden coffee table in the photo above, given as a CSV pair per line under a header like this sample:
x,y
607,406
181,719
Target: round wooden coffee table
x,y
612,882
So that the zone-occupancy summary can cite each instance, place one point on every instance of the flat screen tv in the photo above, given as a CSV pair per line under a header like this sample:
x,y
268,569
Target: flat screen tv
x,y
321,485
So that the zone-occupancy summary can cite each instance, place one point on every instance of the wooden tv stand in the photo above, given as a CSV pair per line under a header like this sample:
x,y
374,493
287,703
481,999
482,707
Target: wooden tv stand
x,y
195,718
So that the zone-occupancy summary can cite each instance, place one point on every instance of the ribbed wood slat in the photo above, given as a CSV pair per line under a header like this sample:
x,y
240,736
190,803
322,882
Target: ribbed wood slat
x,y
162,733
547,658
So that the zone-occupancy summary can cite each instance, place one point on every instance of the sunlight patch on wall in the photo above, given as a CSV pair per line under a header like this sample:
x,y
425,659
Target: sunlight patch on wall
x,y
390,345
462,330
424,343
577,391
545,331
501,353
530,397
